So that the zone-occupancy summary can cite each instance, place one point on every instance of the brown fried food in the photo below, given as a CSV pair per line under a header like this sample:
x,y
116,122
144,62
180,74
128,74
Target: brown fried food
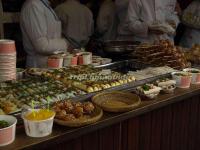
x,y
68,106
69,117
88,107
77,104
61,114
78,111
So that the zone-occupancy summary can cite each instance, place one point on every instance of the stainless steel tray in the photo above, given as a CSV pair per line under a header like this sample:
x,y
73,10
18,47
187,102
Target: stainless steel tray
x,y
128,65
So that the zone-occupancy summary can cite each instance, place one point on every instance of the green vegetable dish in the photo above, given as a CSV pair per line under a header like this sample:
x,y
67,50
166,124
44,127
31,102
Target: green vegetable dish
x,y
3,124
146,87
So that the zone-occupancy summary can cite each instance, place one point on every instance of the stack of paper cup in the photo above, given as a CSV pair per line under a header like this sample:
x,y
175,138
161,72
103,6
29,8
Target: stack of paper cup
x,y
7,60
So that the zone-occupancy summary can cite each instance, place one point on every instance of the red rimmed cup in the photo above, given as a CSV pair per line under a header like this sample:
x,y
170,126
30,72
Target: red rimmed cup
x,y
195,75
7,135
7,46
183,79
74,61
55,62
70,60
85,58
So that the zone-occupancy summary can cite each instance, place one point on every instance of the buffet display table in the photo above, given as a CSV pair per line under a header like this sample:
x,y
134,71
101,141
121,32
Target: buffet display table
x,y
171,121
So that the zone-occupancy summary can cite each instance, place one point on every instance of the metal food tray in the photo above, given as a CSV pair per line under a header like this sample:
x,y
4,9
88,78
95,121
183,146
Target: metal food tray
x,y
128,64
121,66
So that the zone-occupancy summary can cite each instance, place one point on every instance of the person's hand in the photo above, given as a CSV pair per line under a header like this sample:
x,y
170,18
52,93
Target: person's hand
x,y
156,31
172,23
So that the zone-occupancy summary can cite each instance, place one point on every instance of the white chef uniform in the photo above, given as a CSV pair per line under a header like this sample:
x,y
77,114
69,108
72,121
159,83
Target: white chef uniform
x,y
77,22
41,30
191,36
107,21
170,13
142,13
123,32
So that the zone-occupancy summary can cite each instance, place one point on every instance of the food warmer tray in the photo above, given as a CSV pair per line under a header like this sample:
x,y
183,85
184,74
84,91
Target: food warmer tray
x,y
119,66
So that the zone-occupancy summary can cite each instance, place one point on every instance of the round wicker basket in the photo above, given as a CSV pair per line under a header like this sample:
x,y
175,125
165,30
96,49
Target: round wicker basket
x,y
117,101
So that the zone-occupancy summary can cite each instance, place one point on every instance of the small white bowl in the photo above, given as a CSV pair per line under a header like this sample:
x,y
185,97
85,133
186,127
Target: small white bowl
x,y
7,135
169,89
182,81
153,93
195,76
167,86
38,128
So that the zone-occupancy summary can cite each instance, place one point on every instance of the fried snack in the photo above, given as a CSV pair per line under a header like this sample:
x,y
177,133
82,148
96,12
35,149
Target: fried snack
x,y
88,107
78,111
68,110
162,53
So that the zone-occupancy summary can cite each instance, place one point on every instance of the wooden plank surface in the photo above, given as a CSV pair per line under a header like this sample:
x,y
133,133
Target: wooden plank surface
x,y
175,111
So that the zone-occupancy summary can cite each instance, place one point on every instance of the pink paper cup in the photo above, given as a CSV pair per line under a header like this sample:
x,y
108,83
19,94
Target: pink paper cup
x,y
195,75
55,62
7,46
182,81
7,135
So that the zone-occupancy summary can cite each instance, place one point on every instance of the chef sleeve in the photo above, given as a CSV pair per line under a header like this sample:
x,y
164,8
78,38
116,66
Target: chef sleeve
x,y
135,24
36,28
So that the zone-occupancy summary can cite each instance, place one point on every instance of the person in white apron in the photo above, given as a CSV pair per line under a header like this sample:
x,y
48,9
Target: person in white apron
x,y
41,31
77,22
141,14
171,15
192,35
107,21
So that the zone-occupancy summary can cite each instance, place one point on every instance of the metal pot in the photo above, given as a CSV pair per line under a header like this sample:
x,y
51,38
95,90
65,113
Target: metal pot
x,y
119,47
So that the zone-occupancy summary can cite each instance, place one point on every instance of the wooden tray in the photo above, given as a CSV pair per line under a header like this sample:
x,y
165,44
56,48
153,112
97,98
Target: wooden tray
x,y
94,117
117,101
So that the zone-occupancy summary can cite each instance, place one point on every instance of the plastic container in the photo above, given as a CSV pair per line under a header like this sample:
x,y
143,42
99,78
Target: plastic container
x,y
183,79
40,128
7,135
195,75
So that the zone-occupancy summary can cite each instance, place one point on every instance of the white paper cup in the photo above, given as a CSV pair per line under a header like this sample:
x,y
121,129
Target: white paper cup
x,y
55,62
7,135
38,128
195,76
67,60
85,58
182,81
